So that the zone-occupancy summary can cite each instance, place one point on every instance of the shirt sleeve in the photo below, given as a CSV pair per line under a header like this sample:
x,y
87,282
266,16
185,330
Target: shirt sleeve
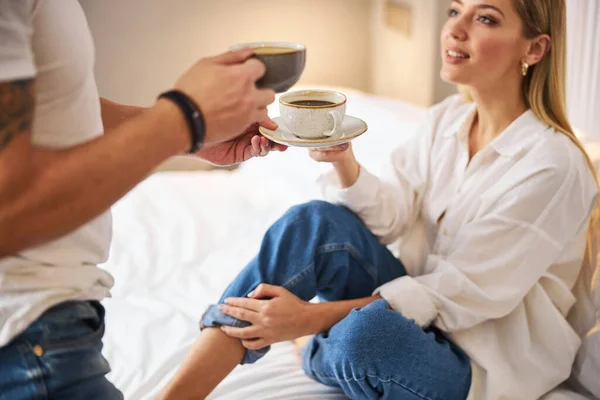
x,y
497,258
390,204
16,30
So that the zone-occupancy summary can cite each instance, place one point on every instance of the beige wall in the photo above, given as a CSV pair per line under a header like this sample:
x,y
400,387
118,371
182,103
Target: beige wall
x,y
406,66
143,45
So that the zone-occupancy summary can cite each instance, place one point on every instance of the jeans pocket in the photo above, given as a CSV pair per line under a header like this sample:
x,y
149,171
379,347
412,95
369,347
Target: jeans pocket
x,y
76,325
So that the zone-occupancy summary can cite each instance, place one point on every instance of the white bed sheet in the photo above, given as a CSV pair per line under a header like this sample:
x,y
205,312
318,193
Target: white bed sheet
x,y
180,238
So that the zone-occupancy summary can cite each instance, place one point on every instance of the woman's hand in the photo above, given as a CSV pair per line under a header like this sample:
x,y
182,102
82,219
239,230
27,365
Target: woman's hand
x,y
333,154
282,317
342,158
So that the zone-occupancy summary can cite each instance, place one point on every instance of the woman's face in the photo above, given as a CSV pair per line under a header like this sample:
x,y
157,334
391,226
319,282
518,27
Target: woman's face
x,y
482,43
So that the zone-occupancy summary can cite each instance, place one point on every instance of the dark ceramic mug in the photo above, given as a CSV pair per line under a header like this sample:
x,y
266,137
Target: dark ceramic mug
x,y
284,63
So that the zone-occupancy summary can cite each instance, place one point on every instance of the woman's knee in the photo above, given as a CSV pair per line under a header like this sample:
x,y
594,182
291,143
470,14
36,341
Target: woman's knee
x,y
320,210
312,208
364,333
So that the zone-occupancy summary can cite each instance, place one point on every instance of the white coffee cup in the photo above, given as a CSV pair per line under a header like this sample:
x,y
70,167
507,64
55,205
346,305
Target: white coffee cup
x,y
313,114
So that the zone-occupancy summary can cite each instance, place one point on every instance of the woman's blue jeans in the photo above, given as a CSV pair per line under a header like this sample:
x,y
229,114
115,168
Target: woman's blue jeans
x,y
324,250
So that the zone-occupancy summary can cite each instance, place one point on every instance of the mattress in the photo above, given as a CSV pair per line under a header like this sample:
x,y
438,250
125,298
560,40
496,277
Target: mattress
x,y
181,237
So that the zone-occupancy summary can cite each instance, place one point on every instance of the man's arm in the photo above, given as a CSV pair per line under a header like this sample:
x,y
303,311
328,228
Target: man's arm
x,y
46,193
114,114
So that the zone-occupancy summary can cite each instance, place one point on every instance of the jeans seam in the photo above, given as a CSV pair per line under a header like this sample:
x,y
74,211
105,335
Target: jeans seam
x,y
351,250
354,379
369,269
346,247
299,276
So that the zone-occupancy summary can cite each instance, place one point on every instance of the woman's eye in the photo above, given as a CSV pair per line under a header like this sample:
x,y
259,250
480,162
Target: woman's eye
x,y
452,12
487,20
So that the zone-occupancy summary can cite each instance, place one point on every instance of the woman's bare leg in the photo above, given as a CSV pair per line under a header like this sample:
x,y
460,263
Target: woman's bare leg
x,y
300,343
212,357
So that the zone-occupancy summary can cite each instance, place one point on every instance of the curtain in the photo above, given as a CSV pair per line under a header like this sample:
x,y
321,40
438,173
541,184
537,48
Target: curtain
x,y
583,65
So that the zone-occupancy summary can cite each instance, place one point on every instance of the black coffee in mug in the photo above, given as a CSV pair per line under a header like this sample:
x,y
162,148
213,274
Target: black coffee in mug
x,y
312,103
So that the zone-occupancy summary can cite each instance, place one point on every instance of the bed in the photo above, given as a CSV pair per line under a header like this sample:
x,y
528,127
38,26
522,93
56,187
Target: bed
x,y
181,237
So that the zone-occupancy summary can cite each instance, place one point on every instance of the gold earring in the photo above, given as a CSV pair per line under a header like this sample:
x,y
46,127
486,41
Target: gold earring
x,y
524,68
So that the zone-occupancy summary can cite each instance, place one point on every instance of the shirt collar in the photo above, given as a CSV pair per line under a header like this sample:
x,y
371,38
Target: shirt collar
x,y
518,136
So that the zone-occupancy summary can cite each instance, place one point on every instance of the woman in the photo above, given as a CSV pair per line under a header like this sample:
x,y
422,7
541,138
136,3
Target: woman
x,y
491,202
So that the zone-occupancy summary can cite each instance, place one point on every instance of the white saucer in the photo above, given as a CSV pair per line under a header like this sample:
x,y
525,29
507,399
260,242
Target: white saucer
x,y
352,128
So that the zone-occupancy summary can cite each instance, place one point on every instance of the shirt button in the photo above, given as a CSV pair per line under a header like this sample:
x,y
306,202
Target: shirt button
x,y
38,350
445,232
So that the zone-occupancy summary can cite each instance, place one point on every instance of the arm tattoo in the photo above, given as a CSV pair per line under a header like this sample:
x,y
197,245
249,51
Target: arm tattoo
x,y
17,101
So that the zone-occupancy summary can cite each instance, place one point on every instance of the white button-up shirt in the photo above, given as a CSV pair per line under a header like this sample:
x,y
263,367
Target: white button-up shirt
x,y
492,246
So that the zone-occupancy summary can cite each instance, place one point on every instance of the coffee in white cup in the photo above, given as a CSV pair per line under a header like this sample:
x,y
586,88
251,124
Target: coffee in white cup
x,y
313,114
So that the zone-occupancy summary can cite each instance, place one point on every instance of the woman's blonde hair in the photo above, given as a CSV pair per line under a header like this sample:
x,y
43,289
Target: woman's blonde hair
x,y
544,87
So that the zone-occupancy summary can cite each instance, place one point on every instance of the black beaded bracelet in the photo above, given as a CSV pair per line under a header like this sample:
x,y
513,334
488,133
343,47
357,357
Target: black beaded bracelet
x,y
193,116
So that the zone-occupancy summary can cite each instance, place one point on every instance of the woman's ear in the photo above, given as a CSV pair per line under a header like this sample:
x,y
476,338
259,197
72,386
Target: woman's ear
x,y
537,49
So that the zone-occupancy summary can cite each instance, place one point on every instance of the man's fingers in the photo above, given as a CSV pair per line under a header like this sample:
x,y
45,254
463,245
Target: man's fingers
x,y
261,114
279,147
264,146
264,97
269,124
255,141
233,57
254,69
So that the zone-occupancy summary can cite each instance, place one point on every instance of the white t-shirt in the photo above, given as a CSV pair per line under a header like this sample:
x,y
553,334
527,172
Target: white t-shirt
x,y
492,246
50,41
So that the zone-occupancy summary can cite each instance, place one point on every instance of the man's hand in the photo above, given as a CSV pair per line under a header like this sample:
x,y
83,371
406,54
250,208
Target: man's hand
x,y
224,87
244,147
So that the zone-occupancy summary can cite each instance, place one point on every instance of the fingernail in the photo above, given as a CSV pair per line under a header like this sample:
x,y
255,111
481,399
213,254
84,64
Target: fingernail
x,y
226,301
268,145
221,308
251,294
222,327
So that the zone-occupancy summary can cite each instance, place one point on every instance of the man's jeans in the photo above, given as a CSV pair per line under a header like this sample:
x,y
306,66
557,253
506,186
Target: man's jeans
x,y
58,357
319,249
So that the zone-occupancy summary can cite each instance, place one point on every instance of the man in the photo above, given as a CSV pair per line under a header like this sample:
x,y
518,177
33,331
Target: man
x,y
59,175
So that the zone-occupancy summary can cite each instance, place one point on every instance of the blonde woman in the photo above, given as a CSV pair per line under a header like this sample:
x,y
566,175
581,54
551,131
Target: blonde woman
x,y
491,202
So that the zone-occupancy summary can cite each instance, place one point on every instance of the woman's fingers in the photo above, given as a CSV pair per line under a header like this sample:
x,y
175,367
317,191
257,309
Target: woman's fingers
x,y
244,302
330,154
339,148
247,333
255,344
239,313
